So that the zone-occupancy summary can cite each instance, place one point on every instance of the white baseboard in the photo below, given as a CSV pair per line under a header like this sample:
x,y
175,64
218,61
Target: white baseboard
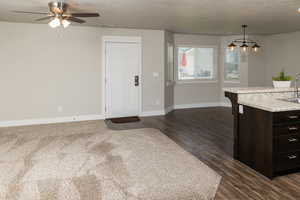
x,y
225,104
152,113
184,106
101,117
51,120
169,109
197,105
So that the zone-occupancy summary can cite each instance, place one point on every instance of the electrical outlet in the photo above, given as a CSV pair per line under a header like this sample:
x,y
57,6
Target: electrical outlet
x,y
60,109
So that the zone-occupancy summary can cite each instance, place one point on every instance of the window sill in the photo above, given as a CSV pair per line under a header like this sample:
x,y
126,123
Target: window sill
x,y
232,82
196,82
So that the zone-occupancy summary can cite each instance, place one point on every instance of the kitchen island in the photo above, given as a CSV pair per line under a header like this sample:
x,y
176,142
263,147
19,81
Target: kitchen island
x,y
266,129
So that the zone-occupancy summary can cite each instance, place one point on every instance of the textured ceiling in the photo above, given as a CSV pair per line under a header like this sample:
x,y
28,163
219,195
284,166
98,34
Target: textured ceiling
x,y
218,17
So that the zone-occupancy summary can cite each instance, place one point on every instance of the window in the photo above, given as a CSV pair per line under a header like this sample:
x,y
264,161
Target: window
x,y
196,63
231,67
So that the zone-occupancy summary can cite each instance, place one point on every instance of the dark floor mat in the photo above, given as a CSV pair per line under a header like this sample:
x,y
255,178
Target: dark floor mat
x,y
123,120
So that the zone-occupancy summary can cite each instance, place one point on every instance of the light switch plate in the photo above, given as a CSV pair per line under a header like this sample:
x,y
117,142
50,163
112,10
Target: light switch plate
x,y
241,109
155,74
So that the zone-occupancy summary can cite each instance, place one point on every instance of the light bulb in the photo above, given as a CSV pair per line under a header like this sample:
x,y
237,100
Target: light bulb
x,y
54,23
255,47
65,23
231,46
244,47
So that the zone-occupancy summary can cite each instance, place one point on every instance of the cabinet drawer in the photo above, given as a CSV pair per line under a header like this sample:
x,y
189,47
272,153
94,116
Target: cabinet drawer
x,y
287,143
288,161
287,129
285,117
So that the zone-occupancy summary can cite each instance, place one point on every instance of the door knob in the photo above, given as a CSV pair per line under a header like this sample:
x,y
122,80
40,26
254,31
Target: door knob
x,y
136,81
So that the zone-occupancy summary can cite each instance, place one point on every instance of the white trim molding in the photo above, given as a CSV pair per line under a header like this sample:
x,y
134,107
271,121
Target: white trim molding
x,y
121,39
152,113
184,106
215,77
225,104
197,105
51,120
79,118
169,109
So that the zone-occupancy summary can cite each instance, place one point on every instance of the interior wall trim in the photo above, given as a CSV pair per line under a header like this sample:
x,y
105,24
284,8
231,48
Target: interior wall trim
x,y
79,118
169,109
201,105
184,106
50,120
225,104
152,113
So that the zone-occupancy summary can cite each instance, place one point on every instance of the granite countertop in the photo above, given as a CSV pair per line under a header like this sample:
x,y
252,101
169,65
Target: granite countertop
x,y
250,90
266,98
271,104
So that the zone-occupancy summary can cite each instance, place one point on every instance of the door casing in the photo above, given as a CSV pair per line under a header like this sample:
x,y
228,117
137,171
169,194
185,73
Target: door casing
x,y
120,39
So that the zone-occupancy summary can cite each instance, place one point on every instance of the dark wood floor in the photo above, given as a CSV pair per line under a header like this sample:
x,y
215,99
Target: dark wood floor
x,y
207,134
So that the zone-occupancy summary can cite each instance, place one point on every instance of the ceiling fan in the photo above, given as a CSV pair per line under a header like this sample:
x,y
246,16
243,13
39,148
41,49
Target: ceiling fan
x,y
59,15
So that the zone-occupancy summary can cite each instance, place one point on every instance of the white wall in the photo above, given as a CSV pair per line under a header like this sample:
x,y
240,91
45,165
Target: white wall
x,y
252,66
257,64
196,93
243,67
282,53
252,71
43,68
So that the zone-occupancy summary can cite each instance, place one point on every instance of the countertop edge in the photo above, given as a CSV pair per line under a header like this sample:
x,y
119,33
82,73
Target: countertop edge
x,y
256,90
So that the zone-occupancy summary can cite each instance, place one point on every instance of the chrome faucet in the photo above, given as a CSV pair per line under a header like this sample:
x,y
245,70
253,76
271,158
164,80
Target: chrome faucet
x,y
296,89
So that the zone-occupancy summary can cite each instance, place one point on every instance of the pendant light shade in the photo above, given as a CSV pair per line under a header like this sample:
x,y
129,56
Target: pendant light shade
x,y
245,43
255,47
232,46
244,47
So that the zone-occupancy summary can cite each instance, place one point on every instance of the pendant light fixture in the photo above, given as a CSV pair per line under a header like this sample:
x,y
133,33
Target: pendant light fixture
x,y
244,43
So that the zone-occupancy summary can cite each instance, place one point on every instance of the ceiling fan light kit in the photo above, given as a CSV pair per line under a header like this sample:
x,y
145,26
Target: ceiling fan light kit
x,y
244,43
56,22
60,16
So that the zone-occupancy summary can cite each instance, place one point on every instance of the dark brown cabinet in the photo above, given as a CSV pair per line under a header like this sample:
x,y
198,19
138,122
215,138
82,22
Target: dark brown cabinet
x,y
268,142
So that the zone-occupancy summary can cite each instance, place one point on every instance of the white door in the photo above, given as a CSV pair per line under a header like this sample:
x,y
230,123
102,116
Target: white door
x,y
122,64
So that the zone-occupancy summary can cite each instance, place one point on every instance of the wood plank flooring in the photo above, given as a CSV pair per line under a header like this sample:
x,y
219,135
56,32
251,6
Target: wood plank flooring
x,y
207,133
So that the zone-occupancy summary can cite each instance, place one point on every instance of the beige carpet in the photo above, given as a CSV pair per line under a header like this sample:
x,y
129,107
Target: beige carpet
x,y
87,161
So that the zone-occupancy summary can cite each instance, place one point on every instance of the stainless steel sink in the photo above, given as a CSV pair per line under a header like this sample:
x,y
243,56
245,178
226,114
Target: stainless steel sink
x,y
292,100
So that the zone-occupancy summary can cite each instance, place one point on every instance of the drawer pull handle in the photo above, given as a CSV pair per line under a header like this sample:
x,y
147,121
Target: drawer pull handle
x,y
291,157
294,128
293,140
293,117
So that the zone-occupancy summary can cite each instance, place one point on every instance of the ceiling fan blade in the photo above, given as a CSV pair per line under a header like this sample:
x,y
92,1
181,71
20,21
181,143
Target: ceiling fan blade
x,y
73,19
44,18
85,15
27,12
